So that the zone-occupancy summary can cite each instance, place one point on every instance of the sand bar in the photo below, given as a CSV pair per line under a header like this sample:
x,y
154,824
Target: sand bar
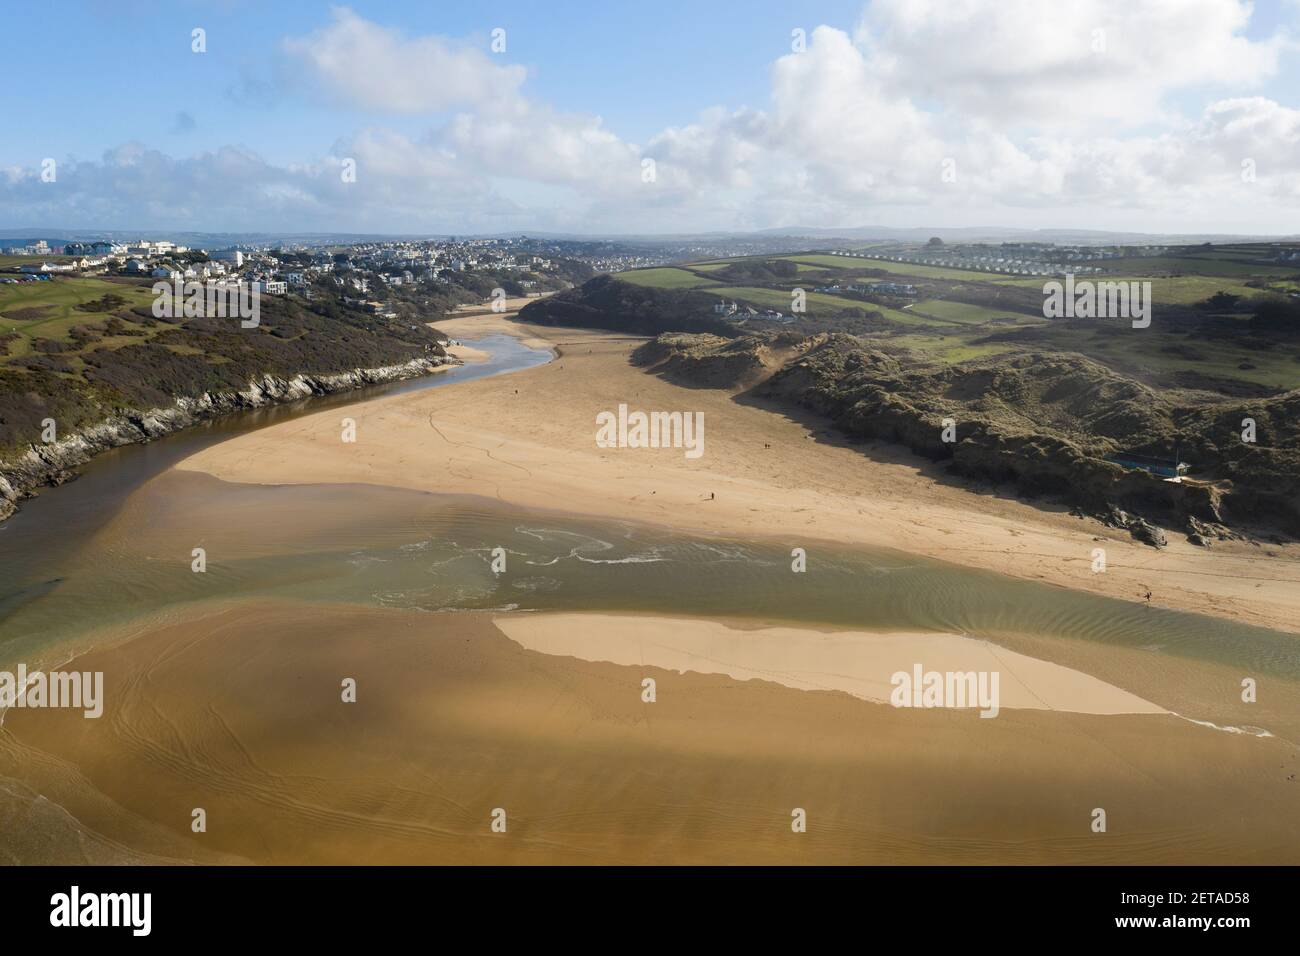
x,y
860,663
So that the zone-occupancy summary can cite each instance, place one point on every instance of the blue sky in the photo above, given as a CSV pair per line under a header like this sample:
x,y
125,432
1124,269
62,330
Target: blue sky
x,y
643,68
1036,127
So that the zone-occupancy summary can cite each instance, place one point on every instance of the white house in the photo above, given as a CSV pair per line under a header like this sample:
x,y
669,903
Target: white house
x,y
229,255
269,286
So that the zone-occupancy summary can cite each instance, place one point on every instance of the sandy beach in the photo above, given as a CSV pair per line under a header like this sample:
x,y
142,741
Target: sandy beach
x,y
529,440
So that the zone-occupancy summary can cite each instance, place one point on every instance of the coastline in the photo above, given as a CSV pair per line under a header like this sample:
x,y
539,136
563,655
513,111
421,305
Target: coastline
x,y
766,474
56,463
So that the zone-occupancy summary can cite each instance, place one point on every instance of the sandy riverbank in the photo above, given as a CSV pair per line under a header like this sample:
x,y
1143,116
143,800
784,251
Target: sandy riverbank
x,y
529,439
467,353
453,719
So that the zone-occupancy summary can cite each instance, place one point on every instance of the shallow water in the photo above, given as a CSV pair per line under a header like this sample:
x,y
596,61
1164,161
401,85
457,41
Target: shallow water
x,y
50,528
403,549
59,582
118,544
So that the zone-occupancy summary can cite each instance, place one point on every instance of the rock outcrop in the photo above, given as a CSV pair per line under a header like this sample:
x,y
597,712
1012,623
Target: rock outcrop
x,y
1047,424
711,361
44,465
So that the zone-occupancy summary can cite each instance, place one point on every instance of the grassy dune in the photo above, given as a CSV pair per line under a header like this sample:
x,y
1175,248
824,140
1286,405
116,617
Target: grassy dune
x,y
665,278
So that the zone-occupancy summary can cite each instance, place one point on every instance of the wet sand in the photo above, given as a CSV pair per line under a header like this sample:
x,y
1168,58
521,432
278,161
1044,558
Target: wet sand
x,y
236,523
467,353
529,440
238,710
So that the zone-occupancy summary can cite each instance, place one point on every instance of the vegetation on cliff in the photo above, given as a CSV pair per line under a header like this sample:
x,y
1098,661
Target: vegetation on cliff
x,y
1041,406
103,353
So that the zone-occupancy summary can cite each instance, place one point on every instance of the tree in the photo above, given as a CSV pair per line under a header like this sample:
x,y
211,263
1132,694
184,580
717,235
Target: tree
x,y
1276,313
1221,302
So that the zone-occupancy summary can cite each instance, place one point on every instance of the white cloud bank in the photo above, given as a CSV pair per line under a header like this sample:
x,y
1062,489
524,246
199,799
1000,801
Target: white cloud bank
x,y
961,111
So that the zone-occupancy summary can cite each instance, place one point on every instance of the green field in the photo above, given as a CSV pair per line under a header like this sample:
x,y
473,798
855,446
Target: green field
x,y
951,330
48,309
664,278
1229,264
1172,290
13,262
1143,353
964,313
819,303
951,347
1150,352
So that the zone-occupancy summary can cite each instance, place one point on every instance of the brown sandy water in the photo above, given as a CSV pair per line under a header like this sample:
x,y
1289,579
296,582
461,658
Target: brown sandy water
x,y
238,711
223,692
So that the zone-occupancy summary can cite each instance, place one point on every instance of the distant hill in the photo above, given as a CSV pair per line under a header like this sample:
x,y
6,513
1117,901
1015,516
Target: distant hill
x,y
606,303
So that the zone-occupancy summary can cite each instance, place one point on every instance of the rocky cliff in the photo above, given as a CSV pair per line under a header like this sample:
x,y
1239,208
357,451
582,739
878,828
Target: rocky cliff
x,y
55,462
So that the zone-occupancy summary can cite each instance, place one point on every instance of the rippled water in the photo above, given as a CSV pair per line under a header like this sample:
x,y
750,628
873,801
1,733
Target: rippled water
x,y
79,559
403,549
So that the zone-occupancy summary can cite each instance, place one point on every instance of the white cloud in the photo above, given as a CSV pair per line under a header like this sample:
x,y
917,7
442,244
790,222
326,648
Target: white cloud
x,y
367,66
537,143
1010,92
1064,62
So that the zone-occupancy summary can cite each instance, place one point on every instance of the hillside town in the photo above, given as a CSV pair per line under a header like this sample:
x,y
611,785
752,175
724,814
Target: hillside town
x,y
379,277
